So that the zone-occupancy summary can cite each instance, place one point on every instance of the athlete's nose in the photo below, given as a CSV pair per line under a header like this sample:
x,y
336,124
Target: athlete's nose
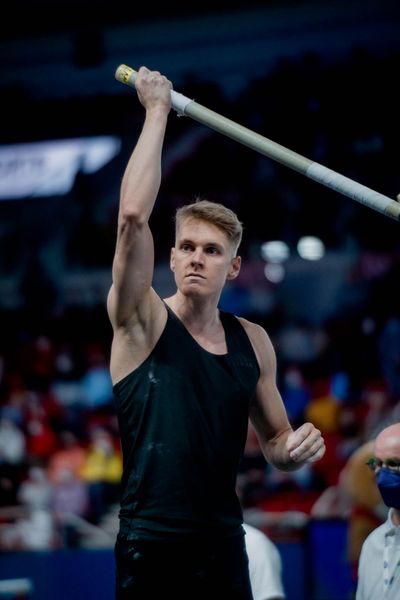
x,y
197,257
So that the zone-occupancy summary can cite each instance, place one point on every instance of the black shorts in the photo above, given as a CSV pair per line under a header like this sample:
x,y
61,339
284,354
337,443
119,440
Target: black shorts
x,y
182,571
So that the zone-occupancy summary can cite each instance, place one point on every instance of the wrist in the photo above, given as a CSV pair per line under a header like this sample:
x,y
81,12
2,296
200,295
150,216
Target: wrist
x,y
158,111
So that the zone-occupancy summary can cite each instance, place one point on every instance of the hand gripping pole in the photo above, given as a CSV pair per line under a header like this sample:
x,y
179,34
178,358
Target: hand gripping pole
x,y
186,107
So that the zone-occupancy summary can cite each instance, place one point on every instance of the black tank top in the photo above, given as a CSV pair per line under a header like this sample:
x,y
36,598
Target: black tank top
x,y
183,417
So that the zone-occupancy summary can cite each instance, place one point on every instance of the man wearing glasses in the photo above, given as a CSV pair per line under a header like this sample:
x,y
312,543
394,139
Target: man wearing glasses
x,y
379,566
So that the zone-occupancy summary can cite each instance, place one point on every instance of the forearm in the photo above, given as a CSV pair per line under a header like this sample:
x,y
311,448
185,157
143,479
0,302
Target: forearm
x,y
142,177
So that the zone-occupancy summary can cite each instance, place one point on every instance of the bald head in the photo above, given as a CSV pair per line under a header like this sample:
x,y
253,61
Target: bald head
x,y
387,443
387,457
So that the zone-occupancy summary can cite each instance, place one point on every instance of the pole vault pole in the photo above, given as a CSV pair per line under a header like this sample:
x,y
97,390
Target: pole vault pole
x,y
186,107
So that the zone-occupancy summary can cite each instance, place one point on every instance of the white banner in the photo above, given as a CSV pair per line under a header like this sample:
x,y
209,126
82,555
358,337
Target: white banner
x,y
49,168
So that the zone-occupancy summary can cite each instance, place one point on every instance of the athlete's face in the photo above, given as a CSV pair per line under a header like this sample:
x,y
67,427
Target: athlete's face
x,y
202,259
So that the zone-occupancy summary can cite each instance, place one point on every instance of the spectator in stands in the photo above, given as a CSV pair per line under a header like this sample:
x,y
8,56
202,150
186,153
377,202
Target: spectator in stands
x,y
12,458
389,353
70,454
96,382
41,437
295,393
67,386
69,504
367,511
377,403
355,498
379,566
102,470
35,489
265,565
32,527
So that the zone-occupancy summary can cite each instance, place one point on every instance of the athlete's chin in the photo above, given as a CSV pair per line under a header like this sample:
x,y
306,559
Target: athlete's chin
x,y
193,290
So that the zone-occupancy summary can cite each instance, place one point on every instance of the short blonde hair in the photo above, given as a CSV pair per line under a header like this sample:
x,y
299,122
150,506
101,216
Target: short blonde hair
x,y
219,215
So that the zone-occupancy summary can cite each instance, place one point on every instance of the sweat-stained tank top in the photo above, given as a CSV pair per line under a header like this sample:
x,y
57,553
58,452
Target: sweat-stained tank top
x,y
183,416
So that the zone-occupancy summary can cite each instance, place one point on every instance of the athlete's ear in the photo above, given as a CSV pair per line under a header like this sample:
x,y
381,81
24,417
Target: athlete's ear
x,y
235,267
172,259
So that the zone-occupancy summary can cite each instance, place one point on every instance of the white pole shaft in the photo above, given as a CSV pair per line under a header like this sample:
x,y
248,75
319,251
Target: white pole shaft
x,y
348,187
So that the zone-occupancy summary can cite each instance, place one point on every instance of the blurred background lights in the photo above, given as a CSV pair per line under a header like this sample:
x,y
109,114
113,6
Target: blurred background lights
x,y
275,251
310,248
274,272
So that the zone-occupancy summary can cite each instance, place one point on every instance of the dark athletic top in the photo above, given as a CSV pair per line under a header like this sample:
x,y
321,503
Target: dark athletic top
x,y
183,416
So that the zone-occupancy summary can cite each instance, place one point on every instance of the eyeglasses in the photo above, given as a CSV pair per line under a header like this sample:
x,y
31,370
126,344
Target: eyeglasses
x,y
392,464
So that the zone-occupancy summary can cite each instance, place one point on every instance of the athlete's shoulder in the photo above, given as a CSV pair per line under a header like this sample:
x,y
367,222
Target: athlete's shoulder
x,y
256,332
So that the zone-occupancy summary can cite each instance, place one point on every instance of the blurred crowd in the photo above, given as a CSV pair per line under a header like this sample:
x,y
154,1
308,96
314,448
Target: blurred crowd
x,y
60,458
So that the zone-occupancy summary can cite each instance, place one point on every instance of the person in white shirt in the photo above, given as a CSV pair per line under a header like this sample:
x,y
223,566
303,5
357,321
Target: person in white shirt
x,y
265,565
379,565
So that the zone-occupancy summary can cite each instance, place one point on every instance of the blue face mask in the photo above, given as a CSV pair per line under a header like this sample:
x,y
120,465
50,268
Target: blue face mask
x,y
388,483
